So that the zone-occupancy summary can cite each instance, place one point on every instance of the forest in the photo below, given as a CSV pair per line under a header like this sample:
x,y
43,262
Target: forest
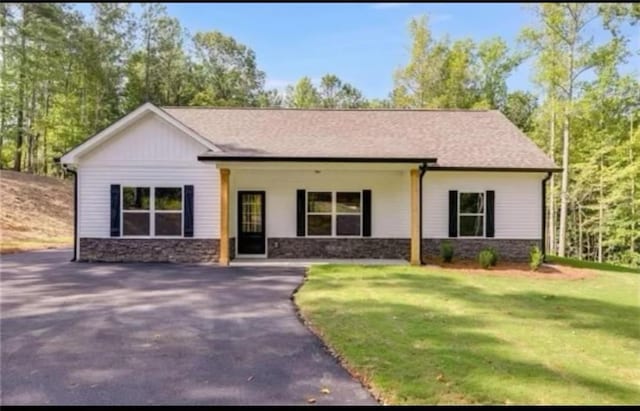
x,y
65,75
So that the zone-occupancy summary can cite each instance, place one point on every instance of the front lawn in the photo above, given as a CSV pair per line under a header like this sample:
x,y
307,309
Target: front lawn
x,y
431,336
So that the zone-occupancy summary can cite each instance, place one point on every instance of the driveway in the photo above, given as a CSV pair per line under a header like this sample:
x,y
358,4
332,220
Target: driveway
x,y
77,333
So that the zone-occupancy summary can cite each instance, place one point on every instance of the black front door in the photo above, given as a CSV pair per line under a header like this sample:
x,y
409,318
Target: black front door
x,y
251,230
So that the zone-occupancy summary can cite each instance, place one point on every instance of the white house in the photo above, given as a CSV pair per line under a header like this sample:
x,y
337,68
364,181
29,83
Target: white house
x,y
212,184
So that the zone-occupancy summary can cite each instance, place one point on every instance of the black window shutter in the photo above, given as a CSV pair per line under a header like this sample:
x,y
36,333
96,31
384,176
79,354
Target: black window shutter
x,y
366,213
491,213
188,211
301,213
115,210
453,213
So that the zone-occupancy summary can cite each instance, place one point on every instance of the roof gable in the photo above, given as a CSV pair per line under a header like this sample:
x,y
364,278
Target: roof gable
x,y
115,129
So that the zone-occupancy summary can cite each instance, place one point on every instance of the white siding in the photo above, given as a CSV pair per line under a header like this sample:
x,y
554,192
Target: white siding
x,y
389,196
149,153
148,140
517,201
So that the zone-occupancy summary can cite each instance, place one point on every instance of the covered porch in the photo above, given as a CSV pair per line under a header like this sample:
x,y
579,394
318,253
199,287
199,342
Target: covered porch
x,y
360,211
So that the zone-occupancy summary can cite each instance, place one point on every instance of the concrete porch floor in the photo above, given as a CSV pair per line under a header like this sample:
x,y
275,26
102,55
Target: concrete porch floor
x,y
307,262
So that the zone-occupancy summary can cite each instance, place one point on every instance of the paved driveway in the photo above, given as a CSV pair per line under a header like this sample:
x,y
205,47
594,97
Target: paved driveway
x,y
75,333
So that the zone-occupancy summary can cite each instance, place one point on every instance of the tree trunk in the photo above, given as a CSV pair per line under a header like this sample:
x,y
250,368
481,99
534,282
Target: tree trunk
x,y
580,231
3,83
552,185
600,211
31,139
17,162
564,185
633,189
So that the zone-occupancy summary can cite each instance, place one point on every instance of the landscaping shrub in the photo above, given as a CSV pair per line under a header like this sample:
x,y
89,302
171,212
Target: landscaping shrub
x,y
485,257
494,256
446,251
535,258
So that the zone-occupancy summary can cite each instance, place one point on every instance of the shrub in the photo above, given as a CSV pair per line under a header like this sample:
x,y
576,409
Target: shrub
x,y
446,251
485,257
535,258
494,256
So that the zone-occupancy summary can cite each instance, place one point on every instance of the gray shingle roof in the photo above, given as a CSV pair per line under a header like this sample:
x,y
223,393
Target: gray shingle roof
x,y
457,138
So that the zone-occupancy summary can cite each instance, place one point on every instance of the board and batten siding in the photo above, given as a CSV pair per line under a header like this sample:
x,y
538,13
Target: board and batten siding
x,y
389,199
518,199
151,152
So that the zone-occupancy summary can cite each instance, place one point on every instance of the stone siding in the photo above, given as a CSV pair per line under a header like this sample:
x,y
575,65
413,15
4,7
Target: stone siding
x,y
301,247
179,250
508,250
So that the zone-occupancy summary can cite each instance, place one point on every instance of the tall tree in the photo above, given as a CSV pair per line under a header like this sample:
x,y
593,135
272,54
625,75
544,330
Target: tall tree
x,y
227,71
303,94
568,22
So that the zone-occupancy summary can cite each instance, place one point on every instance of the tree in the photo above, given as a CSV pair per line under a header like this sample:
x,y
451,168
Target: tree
x,y
520,107
226,70
303,94
496,63
458,74
566,23
422,77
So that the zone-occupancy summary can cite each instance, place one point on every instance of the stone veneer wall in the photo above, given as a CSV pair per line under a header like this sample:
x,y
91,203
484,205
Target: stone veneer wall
x,y
508,250
190,250
178,250
301,247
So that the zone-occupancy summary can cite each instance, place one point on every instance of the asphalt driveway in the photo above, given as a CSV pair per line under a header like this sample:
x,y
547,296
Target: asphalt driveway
x,y
75,333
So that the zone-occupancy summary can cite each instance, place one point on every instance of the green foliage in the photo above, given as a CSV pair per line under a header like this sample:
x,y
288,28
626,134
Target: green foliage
x,y
486,258
574,262
446,251
494,256
332,93
453,74
536,258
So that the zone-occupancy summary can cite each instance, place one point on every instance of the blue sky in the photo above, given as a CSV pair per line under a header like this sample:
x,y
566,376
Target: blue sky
x,y
362,43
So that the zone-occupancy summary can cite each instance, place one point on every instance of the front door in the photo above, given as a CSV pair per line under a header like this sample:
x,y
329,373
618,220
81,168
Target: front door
x,y
251,230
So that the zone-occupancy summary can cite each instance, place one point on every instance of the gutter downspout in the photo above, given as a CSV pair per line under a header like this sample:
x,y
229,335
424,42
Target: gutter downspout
x,y
423,170
75,211
544,215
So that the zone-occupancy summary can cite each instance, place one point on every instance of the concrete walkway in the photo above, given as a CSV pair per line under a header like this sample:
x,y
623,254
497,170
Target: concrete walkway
x,y
77,333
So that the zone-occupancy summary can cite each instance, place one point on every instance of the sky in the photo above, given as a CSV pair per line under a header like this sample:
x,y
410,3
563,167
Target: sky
x,y
362,43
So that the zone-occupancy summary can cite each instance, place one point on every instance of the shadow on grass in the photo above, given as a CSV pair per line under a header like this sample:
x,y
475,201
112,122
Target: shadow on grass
x,y
586,313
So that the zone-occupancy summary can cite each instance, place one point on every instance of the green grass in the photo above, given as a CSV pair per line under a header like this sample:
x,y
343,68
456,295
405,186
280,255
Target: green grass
x,y
425,336
574,262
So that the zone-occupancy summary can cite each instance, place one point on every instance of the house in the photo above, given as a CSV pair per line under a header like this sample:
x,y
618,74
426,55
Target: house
x,y
195,184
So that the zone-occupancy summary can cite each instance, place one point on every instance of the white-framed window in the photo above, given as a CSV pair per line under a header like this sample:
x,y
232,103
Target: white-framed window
x,y
471,214
334,213
152,211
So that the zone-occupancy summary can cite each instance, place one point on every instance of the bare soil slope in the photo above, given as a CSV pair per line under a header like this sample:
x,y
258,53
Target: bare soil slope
x,y
35,212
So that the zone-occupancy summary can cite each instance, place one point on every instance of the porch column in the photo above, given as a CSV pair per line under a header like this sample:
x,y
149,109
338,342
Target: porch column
x,y
415,217
224,216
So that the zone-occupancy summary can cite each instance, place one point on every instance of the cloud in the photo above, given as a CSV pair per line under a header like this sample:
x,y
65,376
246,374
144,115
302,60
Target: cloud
x,y
386,6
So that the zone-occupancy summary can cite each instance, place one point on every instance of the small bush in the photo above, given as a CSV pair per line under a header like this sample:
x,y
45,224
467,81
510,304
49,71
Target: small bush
x,y
485,257
494,256
535,258
446,251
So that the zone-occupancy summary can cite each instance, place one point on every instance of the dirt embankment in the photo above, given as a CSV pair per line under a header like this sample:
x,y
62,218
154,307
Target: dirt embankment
x,y
35,212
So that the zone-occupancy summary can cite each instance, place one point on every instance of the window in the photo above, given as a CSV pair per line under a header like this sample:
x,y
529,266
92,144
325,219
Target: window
x,y
471,214
135,211
326,210
319,213
147,211
168,211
